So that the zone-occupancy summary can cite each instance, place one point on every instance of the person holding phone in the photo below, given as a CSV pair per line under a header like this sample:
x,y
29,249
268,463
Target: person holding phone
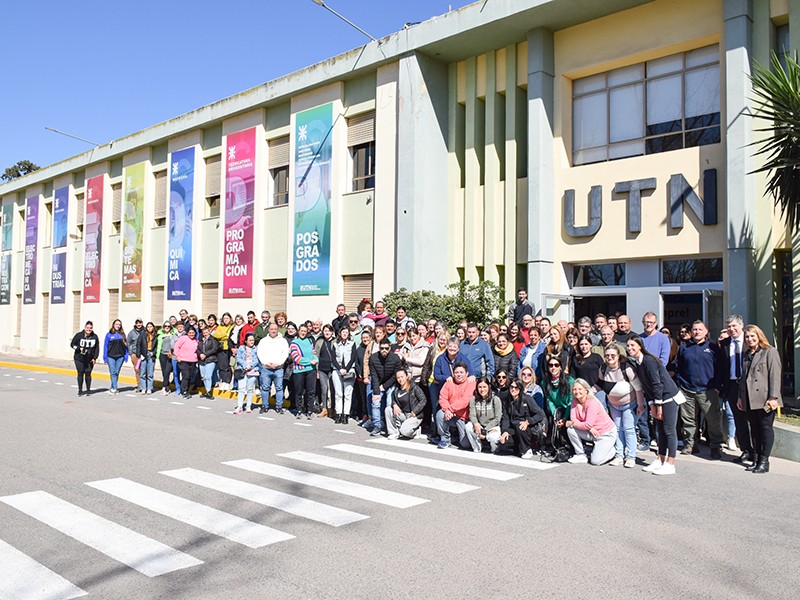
x,y
760,393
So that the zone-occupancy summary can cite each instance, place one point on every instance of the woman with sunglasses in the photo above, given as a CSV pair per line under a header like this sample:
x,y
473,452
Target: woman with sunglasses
x,y
164,353
557,390
623,389
529,386
500,385
521,424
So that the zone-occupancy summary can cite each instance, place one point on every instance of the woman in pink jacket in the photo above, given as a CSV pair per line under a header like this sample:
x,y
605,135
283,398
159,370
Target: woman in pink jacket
x,y
185,351
590,422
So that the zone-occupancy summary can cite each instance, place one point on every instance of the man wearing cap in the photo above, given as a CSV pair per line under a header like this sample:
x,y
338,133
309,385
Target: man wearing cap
x,y
133,338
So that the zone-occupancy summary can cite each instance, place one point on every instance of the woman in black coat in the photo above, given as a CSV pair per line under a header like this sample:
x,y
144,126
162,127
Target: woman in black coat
x,y
664,399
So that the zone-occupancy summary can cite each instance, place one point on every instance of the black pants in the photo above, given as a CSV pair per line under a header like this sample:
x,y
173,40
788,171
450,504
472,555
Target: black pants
x,y
763,434
667,430
224,365
304,390
743,433
84,369
188,372
521,441
358,408
166,370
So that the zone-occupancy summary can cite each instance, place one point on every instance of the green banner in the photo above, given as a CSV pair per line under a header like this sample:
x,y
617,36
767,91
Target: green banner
x,y
8,226
312,202
132,232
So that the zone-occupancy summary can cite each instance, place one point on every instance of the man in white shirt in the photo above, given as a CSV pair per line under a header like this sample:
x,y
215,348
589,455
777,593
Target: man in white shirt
x,y
272,352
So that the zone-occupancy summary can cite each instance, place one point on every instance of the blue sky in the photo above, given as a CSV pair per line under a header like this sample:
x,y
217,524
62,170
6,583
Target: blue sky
x,y
101,70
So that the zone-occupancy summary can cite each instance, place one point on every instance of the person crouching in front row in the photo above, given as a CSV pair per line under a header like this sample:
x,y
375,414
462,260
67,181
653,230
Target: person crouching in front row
x,y
404,416
588,421
522,423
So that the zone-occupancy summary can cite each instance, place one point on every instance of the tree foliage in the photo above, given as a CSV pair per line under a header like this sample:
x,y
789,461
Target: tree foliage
x,y
23,167
777,91
476,303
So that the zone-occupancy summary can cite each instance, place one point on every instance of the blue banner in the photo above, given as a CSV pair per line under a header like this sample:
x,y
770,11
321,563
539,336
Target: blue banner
x,y
59,286
312,202
60,217
181,191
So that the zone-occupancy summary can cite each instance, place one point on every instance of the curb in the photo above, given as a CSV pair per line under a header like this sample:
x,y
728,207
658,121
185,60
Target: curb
x,y
224,395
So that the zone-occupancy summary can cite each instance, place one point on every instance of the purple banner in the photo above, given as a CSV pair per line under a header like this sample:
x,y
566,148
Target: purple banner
x,y
58,293
240,173
31,243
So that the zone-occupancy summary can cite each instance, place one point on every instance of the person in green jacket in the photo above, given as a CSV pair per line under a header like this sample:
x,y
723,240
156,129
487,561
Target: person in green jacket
x,y
164,341
557,389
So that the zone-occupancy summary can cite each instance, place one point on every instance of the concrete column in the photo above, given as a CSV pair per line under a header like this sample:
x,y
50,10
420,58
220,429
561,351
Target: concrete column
x,y
511,172
541,196
422,225
740,189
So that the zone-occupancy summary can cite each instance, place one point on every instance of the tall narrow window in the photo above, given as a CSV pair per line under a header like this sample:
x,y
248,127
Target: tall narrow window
x,y
279,170
361,142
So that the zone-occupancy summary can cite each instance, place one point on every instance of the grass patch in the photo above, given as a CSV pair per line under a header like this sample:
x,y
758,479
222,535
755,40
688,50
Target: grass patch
x,y
790,419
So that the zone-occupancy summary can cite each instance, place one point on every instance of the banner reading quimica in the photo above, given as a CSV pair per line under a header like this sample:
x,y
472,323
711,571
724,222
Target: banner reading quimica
x,y
181,210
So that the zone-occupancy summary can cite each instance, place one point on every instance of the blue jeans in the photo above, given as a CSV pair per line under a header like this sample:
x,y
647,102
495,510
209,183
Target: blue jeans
x,y
727,418
601,395
146,372
269,377
379,407
114,367
624,418
643,425
207,373
444,425
176,376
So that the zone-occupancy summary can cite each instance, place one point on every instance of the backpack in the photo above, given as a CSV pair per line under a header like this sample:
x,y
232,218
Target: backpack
x,y
561,447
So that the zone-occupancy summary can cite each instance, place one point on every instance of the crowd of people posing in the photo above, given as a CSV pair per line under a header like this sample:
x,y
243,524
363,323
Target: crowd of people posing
x,y
591,391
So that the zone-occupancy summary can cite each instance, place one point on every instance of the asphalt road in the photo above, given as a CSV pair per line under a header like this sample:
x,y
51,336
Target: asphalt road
x,y
455,528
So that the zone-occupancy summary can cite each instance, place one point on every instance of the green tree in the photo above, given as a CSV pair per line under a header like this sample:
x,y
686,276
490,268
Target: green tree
x,y
23,167
476,303
777,96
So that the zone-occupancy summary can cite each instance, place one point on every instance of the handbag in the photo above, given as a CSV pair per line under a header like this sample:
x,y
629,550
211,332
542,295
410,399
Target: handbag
x,y
238,374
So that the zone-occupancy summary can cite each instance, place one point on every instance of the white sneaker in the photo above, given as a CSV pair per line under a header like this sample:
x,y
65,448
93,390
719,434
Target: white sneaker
x,y
629,463
653,466
578,459
666,469
616,461
393,436
732,444
527,455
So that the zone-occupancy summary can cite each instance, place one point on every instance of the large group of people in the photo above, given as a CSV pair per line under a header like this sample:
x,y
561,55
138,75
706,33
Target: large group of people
x,y
592,391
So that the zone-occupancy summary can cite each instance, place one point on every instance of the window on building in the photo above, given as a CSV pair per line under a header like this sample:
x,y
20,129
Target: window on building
x,y
80,215
116,208
601,275
361,142
693,270
782,43
279,170
213,185
160,213
657,106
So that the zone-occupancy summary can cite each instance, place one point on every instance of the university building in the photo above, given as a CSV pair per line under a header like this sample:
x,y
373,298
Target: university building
x,y
594,151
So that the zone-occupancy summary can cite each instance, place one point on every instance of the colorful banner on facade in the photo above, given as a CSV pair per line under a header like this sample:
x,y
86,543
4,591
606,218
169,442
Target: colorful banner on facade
x,y
312,202
58,289
60,217
31,247
8,227
132,232
240,173
5,279
93,238
181,210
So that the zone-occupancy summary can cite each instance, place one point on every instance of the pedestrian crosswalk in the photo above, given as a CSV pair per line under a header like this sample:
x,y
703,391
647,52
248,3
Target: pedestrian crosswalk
x,y
400,464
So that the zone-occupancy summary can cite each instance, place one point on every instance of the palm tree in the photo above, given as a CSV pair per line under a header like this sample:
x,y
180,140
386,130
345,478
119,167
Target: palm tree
x,y
777,97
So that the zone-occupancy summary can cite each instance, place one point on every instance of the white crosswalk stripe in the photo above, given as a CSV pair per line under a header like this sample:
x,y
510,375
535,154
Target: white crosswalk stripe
x,y
347,488
424,481
192,513
22,578
144,554
295,505
439,465
510,461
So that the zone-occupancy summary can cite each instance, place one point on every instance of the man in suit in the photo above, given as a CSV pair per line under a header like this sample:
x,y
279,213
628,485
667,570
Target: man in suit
x,y
732,349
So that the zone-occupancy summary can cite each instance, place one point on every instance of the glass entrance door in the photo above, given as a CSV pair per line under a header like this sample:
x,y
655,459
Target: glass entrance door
x,y
680,309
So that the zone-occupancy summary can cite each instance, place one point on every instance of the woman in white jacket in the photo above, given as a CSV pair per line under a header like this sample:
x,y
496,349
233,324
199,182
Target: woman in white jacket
x,y
344,374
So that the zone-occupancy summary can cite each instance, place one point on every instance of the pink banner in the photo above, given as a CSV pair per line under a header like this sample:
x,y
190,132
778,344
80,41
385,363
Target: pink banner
x,y
240,173
93,237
